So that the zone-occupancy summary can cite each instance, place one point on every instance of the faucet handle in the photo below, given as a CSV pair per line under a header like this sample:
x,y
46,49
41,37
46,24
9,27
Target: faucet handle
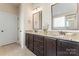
x,y
62,33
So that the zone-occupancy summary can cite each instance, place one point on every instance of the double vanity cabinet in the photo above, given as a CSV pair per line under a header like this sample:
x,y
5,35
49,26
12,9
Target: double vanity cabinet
x,y
49,46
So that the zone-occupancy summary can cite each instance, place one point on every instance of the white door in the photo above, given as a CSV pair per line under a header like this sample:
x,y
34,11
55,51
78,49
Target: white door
x,y
8,28
21,26
21,32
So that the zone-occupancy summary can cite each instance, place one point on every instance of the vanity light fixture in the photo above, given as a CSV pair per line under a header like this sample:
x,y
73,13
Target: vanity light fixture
x,y
36,10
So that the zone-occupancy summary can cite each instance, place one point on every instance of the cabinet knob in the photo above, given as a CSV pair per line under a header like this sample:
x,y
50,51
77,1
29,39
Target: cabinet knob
x,y
20,31
2,30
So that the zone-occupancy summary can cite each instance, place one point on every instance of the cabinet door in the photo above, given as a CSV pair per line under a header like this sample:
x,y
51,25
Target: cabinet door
x,y
67,48
38,49
26,40
30,41
38,45
49,46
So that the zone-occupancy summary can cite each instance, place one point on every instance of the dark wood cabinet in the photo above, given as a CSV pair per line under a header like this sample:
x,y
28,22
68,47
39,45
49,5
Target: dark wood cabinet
x,y
29,41
26,40
49,46
38,45
67,48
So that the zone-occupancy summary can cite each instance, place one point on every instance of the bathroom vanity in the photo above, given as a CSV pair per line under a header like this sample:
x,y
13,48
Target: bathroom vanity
x,y
46,45
64,16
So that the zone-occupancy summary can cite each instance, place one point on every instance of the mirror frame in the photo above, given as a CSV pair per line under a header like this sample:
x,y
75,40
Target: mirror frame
x,y
40,20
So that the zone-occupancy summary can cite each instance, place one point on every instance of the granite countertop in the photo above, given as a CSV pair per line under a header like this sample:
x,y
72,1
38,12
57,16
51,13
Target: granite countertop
x,y
71,38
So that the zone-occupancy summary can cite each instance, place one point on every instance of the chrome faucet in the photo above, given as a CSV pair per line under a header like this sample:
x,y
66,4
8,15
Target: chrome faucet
x,y
62,33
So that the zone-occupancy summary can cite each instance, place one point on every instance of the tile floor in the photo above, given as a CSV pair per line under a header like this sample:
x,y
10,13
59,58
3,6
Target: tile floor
x,y
14,49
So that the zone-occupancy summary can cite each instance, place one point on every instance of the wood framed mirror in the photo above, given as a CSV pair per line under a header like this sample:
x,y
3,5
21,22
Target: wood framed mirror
x,y
37,20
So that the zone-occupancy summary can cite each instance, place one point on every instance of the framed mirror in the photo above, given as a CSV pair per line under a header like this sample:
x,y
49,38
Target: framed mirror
x,y
64,16
37,20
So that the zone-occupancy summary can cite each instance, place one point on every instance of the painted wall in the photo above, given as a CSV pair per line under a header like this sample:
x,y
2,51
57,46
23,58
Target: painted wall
x,y
6,7
28,16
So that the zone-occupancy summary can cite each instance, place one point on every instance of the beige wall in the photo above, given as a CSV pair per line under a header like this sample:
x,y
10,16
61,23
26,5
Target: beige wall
x,y
27,12
10,8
